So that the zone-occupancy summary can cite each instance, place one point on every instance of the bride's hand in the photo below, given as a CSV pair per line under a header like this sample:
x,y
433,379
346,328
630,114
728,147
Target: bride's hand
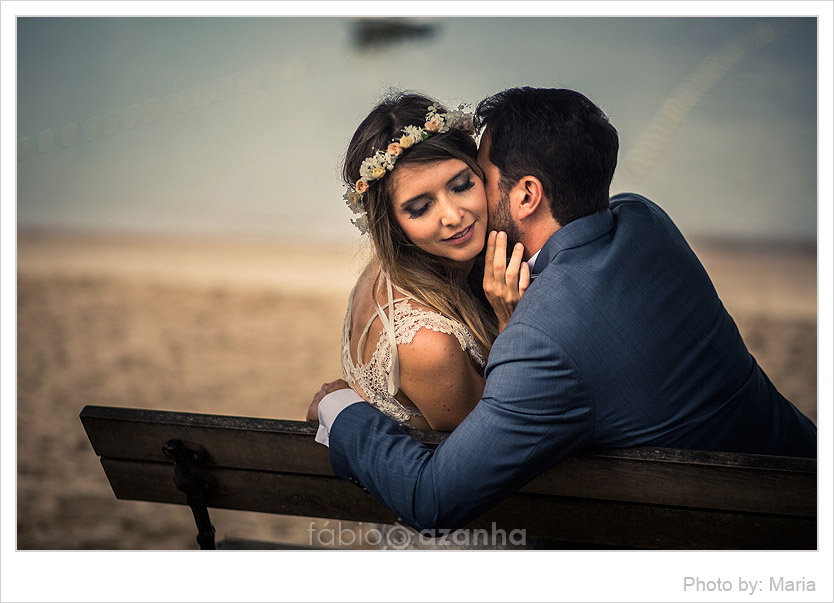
x,y
504,283
327,388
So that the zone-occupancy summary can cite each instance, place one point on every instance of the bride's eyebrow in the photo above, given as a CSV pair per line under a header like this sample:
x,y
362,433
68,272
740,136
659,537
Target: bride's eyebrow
x,y
407,202
458,175
414,199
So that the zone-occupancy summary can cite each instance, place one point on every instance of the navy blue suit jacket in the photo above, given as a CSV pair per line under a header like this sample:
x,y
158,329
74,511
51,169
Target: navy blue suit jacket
x,y
620,341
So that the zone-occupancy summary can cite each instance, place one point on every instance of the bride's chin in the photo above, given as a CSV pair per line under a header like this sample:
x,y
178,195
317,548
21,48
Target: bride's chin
x,y
466,262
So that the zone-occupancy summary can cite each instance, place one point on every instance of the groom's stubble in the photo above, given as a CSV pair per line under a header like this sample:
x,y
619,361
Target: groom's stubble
x,y
502,219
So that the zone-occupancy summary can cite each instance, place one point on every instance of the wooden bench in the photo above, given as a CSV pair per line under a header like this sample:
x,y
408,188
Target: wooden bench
x,y
651,498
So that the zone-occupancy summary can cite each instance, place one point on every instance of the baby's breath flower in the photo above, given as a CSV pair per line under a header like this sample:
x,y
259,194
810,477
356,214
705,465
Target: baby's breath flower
x,y
361,222
414,132
354,202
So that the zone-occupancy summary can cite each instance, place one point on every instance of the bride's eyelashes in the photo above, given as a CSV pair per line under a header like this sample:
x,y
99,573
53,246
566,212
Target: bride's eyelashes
x,y
462,188
466,185
416,213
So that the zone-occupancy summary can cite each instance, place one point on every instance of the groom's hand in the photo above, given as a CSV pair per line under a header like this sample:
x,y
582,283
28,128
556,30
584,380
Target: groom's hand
x,y
327,388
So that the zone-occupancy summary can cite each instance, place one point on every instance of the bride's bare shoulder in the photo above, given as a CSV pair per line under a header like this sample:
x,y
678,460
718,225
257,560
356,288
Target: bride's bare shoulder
x,y
439,378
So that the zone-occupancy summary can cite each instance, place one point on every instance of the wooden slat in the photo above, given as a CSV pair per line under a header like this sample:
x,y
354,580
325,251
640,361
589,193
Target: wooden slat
x,y
712,458
610,523
736,482
105,423
573,519
244,442
733,488
247,490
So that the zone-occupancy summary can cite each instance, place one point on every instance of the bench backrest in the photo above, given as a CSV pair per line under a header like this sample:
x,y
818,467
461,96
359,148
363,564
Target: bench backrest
x,y
638,497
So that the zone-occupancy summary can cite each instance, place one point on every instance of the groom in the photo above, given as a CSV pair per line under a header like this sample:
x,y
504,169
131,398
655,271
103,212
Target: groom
x,y
621,339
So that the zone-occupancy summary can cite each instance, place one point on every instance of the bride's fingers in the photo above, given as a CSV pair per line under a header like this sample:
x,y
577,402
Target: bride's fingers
x,y
499,260
524,279
490,255
328,388
511,277
313,411
336,385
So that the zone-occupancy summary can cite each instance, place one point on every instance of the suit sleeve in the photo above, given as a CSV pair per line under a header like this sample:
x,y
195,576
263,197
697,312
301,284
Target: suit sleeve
x,y
535,412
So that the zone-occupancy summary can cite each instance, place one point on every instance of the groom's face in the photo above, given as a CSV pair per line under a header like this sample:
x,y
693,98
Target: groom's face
x,y
498,202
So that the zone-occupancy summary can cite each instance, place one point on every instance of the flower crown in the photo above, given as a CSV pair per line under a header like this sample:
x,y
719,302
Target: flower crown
x,y
380,163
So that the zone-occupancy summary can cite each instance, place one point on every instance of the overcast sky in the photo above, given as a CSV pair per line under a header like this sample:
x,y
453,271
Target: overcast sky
x,y
238,125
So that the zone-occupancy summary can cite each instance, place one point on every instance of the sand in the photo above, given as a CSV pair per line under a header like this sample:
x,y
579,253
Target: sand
x,y
203,325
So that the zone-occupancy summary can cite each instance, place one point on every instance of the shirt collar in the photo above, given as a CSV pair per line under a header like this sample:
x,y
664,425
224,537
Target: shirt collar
x,y
532,263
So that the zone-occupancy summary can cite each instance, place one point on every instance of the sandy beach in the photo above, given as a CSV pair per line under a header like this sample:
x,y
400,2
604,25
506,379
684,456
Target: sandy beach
x,y
202,325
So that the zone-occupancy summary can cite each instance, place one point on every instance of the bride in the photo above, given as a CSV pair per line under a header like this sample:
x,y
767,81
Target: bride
x,y
424,312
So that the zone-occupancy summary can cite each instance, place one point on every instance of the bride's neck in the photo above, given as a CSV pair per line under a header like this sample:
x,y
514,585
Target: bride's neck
x,y
463,268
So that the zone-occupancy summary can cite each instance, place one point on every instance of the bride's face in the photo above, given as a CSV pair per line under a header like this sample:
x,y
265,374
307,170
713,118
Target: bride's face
x,y
442,208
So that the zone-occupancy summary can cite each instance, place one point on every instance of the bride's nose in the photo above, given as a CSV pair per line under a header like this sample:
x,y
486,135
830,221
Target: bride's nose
x,y
451,213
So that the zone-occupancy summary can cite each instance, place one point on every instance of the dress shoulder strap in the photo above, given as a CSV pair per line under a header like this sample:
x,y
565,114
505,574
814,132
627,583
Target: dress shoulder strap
x,y
387,322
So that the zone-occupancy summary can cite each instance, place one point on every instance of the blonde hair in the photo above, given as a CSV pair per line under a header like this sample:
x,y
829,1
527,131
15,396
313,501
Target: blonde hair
x,y
432,280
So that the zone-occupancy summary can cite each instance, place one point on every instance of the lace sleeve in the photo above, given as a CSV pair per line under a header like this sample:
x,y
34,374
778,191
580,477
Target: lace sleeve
x,y
408,320
379,377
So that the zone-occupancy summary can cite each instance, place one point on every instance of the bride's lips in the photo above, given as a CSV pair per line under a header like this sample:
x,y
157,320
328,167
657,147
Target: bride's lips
x,y
459,238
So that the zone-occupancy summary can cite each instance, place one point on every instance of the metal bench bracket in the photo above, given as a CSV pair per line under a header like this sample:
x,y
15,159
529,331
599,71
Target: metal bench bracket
x,y
186,457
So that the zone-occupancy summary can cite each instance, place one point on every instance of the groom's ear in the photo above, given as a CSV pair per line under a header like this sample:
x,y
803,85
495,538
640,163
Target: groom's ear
x,y
529,196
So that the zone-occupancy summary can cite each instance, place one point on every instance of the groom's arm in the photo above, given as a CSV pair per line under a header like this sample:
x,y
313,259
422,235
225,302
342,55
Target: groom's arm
x,y
535,412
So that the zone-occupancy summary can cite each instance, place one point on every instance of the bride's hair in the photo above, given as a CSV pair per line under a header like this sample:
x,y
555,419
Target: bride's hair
x,y
431,279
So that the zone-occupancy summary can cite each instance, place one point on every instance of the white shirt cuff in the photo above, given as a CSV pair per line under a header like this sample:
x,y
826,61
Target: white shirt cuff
x,y
330,407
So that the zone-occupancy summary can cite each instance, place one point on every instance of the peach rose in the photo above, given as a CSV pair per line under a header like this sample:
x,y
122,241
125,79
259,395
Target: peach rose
x,y
433,125
395,149
361,186
406,141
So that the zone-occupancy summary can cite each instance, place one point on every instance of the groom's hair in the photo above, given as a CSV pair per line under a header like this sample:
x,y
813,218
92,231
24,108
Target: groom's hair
x,y
558,136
